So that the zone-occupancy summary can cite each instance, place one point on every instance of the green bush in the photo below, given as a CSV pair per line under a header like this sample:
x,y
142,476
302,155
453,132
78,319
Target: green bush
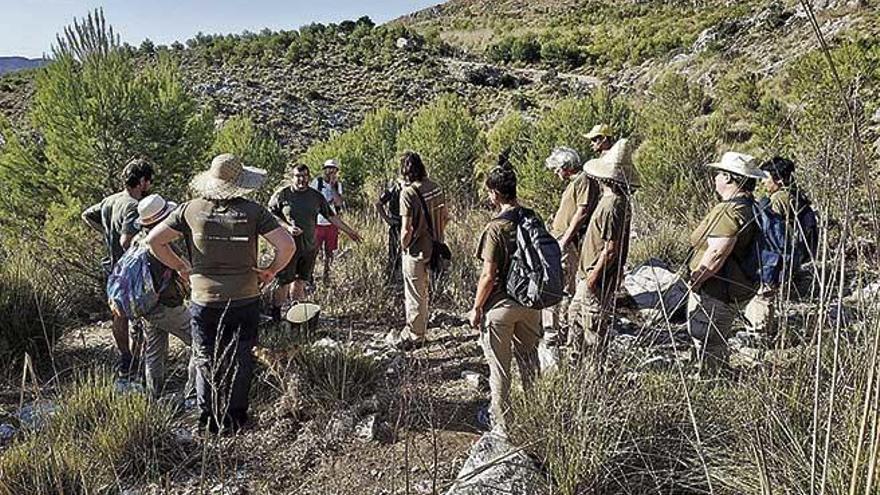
x,y
331,376
241,137
446,136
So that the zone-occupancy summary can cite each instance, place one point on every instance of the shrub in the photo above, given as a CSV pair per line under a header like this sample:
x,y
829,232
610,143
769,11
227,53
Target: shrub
x,y
447,137
333,376
241,137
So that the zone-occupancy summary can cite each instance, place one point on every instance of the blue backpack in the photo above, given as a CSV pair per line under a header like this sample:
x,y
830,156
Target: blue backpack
x,y
770,252
130,286
535,278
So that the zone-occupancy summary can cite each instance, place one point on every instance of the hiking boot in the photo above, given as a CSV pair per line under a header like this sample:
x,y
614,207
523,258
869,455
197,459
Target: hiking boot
x,y
404,340
126,365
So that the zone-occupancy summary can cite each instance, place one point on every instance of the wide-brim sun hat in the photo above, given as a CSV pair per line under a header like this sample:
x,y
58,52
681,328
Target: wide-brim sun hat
x,y
615,164
331,163
600,130
739,164
153,209
227,178
563,157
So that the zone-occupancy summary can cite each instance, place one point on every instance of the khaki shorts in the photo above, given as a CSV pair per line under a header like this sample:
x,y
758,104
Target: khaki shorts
x,y
300,267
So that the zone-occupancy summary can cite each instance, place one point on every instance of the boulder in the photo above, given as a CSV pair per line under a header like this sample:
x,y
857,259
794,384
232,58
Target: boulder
x,y
496,467
655,289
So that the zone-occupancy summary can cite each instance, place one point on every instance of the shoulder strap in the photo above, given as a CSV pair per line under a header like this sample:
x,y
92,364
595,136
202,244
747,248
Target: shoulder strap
x,y
425,212
320,184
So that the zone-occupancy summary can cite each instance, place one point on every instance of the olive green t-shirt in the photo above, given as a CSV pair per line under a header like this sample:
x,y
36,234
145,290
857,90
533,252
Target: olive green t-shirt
x,y
221,237
117,214
580,191
497,243
788,202
726,219
411,206
301,208
609,222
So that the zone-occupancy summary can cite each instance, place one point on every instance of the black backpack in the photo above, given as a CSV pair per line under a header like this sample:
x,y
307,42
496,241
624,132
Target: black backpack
x,y
535,278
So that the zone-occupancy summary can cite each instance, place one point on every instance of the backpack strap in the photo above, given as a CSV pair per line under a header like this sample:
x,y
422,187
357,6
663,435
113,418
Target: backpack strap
x,y
425,212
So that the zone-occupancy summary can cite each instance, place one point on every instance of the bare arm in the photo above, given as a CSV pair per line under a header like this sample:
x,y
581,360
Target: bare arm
x,y
350,232
580,216
484,288
285,248
159,239
383,213
713,259
609,253
406,232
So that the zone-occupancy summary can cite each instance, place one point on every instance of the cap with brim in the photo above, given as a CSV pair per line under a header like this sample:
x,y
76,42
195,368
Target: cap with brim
x,y
153,209
615,164
739,164
227,178
599,130
331,163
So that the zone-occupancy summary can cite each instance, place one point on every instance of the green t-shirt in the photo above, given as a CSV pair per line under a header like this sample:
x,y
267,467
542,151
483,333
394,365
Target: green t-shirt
x,y
580,191
497,243
117,214
301,208
411,206
726,219
609,222
221,237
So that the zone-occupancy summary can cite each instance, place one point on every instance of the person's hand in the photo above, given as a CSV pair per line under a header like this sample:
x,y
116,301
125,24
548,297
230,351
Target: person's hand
x,y
264,275
114,309
476,317
294,230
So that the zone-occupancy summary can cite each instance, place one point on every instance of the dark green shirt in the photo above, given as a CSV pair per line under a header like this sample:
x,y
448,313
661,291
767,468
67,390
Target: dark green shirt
x,y
301,208
117,214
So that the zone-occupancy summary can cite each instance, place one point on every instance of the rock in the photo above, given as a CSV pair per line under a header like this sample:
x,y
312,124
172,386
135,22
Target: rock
x,y
656,291
367,428
494,466
7,431
125,386
476,380
548,356
715,35
36,414
402,43
341,425
327,343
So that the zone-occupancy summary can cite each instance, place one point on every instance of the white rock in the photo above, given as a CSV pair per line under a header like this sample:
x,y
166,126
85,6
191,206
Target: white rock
x,y
367,428
654,287
496,467
474,379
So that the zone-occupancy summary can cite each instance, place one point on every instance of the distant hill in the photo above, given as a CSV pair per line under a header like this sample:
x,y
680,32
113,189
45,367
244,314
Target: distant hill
x,y
13,64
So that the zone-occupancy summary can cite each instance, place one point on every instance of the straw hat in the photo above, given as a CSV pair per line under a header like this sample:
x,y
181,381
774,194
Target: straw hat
x,y
600,130
740,164
153,209
615,164
227,178
563,157
331,163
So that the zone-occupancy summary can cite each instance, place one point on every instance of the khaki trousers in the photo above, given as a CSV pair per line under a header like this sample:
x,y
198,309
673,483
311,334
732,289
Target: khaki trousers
x,y
556,317
415,292
158,324
589,319
709,324
509,330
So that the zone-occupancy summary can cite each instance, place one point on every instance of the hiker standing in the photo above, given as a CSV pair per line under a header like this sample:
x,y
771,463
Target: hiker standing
x,y
507,328
116,216
423,223
801,232
605,246
601,138
296,208
326,232
575,207
221,229
170,315
388,206
723,241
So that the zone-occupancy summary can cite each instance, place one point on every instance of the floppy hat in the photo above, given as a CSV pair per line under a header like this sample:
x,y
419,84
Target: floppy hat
x,y
600,130
740,164
227,178
331,163
615,164
153,209
563,157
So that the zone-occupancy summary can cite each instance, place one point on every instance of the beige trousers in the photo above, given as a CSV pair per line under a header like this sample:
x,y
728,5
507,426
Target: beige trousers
x,y
709,324
415,292
160,322
555,317
589,319
509,330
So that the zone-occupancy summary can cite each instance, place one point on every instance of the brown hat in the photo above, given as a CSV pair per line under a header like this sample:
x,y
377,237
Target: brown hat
x,y
227,178
615,164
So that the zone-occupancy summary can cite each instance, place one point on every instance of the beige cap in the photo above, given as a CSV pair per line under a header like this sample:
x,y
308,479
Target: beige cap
x,y
600,130
331,163
740,164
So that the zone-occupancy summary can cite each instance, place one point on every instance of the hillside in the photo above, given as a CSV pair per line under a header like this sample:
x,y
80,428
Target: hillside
x,y
14,64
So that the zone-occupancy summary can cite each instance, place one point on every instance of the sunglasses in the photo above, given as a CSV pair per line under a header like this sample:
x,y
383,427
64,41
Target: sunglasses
x,y
300,175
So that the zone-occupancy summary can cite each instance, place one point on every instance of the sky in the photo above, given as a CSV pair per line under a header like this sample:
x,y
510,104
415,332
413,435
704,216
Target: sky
x,y
28,27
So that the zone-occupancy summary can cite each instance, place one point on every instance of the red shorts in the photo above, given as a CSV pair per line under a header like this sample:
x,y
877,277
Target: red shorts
x,y
327,237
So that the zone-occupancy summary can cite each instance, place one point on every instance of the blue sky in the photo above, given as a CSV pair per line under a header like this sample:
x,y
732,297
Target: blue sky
x,y
28,27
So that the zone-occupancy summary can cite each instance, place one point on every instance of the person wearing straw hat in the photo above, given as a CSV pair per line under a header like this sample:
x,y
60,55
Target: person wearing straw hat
x,y
115,217
170,314
569,224
326,233
720,286
221,229
297,207
605,247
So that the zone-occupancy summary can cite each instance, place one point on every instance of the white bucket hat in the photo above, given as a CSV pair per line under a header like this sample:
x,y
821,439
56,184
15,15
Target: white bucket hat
x,y
331,163
615,164
563,157
740,164
227,178
153,209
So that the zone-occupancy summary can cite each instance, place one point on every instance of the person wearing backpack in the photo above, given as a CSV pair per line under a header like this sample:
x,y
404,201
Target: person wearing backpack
x,y
801,235
423,223
169,315
388,207
569,224
605,248
723,243
115,217
221,229
508,329
326,232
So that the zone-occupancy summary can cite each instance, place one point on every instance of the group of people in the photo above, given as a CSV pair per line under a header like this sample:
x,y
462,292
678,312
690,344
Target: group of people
x,y
206,250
